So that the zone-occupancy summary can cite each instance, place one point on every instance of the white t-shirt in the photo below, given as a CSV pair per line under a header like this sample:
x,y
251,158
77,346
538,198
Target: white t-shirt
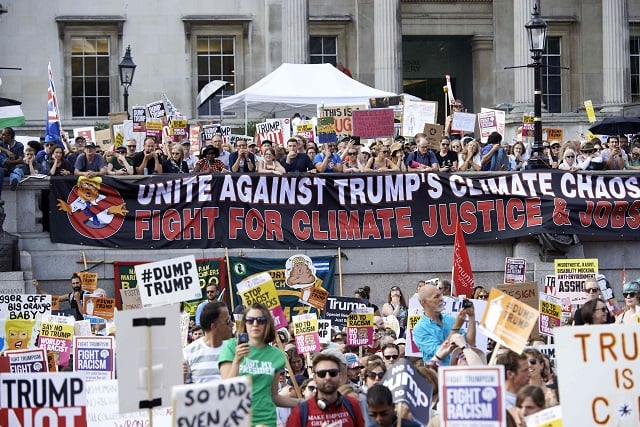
x,y
202,361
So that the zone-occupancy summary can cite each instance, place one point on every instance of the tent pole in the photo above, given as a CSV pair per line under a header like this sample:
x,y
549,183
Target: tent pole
x,y
246,131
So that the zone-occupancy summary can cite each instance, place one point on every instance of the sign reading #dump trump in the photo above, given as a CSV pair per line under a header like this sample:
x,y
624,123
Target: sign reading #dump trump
x,y
168,281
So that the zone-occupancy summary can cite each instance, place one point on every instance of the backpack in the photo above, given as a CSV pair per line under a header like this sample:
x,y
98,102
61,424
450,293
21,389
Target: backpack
x,y
304,410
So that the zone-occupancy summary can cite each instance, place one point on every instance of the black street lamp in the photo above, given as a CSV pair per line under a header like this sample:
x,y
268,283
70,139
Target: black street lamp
x,y
127,68
537,32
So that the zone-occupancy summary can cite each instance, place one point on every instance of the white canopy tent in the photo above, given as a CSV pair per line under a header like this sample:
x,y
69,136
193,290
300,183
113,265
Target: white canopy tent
x,y
299,88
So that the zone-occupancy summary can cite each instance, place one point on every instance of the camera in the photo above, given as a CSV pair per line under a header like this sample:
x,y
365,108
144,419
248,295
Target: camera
x,y
243,337
466,303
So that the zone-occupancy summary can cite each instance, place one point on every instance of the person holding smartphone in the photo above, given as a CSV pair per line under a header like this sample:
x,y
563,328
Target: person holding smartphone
x,y
251,353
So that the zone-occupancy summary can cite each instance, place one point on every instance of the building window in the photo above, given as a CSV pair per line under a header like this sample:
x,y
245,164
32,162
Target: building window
x,y
216,61
551,77
323,50
635,69
90,76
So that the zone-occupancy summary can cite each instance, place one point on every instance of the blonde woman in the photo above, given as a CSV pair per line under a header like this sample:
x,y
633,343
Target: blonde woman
x,y
381,161
270,164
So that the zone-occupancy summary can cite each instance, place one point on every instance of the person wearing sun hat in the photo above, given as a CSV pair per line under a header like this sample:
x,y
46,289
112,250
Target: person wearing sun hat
x,y
631,312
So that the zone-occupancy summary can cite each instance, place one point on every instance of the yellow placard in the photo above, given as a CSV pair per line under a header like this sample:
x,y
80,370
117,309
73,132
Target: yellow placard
x,y
154,124
264,293
591,114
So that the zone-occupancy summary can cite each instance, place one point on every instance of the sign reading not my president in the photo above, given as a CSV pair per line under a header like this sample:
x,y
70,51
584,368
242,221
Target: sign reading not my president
x,y
168,281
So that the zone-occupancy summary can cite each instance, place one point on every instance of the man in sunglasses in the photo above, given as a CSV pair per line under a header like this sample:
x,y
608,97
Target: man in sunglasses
x,y
328,406
201,356
593,291
390,354
212,295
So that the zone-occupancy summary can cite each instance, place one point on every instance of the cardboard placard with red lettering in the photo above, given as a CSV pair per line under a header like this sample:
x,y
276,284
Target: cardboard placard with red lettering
x,y
55,399
33,360
271,130
550,314
606,353
508,321
373,123
360,327
305,332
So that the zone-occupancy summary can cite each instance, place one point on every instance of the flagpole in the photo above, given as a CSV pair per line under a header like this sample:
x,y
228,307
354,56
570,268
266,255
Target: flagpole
x,y
340,270
226,257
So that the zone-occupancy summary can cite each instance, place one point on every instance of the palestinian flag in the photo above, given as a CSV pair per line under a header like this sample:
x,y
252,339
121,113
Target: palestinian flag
x,y
11,114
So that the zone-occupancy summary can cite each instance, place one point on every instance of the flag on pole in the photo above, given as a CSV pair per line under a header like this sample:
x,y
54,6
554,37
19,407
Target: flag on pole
x,y
461,275
52,132
172,111
11,114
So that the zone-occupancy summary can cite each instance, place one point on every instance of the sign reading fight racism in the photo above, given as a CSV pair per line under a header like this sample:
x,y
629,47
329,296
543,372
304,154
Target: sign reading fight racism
x,y
472,396
608,353
168,281
26,361
199,404
95,357
305,211
55,399
21,306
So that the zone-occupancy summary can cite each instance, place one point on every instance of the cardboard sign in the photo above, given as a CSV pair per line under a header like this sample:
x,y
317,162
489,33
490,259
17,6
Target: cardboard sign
x,y
56,334
326,130
591,114
465,122
324,331
161,360
342,118
157,110
271,130
154,127
314,296
95,356
610,354
508,321
416,114
338,309
139,118
528,126
552,134
514,270
305,331
571,275
434,135
360,327
195,402
487,123
472,396
33,360
57,399
21,306
550,417
260,288
306,129
89,133
168,281
550,314
131,299
89,280
373,123
411,388
99,306
501,118
526,292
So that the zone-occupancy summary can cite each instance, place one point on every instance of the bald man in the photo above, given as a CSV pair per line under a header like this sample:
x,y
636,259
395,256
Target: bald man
x,y
433,332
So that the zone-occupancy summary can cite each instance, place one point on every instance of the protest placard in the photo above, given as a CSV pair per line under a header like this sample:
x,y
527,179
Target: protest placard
x,y
24,306
306,129
342,117
373,123
89,133
130,299
56,334
465,122
260,288
168,281
571,275
139,118
326,130
434,135
54,399
157,110
154,127
360,327
305,332
514,270
526,292
314,296
416,114
501,118
95,356
32,360
607,354
324,331
99,306
528,126
147,370
411,388
195,402
507,320
550,314
338,309
487,123
271,130
89,280
178,128
550,417
472,396
552,134
591,114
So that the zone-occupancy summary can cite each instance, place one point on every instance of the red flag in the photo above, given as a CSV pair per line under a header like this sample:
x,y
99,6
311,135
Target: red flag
x,y
461,275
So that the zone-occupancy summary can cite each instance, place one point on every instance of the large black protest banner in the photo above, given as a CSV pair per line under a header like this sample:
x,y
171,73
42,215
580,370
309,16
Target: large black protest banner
x,y
329,211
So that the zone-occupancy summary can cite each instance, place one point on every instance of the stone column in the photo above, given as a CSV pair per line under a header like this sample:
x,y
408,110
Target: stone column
x,y
615,54
483,61
295,31
387,42
523,77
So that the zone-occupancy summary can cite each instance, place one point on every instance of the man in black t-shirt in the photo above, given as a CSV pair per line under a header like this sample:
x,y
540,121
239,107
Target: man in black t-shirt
x,y
147,159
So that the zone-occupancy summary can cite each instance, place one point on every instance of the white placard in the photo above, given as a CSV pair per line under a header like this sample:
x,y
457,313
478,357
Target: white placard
x,y
465,122
324,331
168,281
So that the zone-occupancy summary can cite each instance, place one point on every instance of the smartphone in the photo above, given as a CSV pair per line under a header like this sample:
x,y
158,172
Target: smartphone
x,y
243,337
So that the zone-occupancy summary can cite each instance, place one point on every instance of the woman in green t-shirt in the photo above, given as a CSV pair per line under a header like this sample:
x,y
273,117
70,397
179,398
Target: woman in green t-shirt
x,y
261,361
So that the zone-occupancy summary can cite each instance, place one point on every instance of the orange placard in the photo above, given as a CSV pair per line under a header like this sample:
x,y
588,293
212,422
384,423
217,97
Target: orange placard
x,y
89,280
99,306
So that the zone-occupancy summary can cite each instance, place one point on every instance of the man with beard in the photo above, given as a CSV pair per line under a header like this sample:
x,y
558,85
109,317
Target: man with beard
x,y
212,295
328,406
75,297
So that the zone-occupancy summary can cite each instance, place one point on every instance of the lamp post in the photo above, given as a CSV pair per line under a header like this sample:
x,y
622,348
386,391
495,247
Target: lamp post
x,y
126,69
537,32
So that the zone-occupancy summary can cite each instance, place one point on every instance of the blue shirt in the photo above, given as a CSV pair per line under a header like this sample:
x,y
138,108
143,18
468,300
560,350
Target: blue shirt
x,y
334,158
428,336
428,159
300,163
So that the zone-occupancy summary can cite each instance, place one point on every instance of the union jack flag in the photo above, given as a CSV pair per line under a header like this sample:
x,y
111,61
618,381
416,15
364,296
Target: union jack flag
x,y
53,115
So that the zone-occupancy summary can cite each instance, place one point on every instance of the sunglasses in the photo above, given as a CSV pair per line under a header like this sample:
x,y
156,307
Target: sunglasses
x,y
352,153
375,375
385,151
252,320
483,296
312,387
332,373
592,290
629,294
570,157
391,356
